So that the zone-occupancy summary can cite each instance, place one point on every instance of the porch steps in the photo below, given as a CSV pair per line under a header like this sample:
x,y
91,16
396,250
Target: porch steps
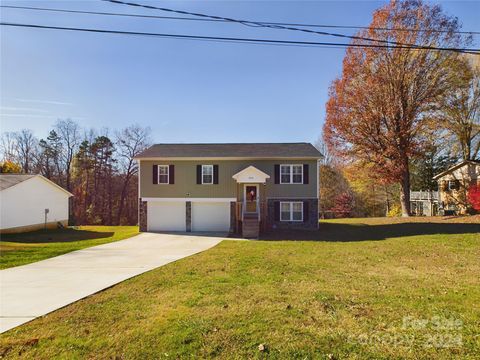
x,y
250,226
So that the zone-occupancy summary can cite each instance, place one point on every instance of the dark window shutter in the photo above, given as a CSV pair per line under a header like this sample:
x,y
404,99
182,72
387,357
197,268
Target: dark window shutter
x,y
305,211
155,174
276,206
171,174
199,174
215,174
277,174
305,173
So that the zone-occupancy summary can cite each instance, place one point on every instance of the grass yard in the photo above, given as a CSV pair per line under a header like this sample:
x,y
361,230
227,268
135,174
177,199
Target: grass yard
x,y
368,288
21,249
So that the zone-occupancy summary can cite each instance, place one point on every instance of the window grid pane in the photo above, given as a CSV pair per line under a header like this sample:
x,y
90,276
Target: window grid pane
x,y
285,171
297,171
207,174
285,211
162,174
297,211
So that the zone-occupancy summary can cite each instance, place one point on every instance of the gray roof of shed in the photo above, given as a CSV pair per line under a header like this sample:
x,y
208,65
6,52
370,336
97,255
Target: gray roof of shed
x,y
8,180
238,150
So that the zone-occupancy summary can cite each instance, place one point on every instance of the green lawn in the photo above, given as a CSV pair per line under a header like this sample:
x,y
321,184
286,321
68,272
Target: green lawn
x,y
343,296
21,249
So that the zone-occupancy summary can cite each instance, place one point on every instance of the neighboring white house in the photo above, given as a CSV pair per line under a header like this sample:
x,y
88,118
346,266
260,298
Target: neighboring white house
x,y
31,202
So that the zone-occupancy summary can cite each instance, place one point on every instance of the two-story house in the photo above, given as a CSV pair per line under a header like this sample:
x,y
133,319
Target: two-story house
x,y
243,188
454,183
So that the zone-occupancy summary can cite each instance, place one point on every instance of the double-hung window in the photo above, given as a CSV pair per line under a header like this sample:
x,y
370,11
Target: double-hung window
x,y
291,211
163,175
291,174
207,174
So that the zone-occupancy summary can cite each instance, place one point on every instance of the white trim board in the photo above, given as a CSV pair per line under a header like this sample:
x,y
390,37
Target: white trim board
x,y
153,199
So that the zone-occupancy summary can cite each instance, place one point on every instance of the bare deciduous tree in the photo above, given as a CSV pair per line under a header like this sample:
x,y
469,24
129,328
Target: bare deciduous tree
x,y
27,149
69,132
130,142
8,147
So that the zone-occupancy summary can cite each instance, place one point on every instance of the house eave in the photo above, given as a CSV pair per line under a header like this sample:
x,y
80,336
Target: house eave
x,y
455,167
226,158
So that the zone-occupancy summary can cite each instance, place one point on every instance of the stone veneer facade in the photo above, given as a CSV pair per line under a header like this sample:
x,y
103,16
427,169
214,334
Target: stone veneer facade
x,y
310,223
188,216
142,213
272,224
233,217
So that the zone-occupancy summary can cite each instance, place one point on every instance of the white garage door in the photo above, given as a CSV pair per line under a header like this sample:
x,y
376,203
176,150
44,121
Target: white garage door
x,y
166,216
210,216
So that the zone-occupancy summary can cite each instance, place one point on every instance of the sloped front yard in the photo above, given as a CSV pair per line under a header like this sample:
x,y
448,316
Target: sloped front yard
x,y
395,296
21,249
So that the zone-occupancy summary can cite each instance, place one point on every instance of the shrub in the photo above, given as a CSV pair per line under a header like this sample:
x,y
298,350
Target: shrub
x,y
344,205
474,197
395,211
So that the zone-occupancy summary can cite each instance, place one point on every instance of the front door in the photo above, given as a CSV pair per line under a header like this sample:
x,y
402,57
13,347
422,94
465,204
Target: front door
x,y
251,194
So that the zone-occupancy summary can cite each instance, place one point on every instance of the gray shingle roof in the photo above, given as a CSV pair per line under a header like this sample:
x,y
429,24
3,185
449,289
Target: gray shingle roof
x,y
239,150
8,180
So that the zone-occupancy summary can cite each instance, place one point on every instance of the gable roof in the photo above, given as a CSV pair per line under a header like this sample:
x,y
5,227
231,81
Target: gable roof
x,y
251,175
455,167
9,180
237,150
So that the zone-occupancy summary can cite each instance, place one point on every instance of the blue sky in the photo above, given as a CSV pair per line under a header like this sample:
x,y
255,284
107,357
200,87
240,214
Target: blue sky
x,y
186,91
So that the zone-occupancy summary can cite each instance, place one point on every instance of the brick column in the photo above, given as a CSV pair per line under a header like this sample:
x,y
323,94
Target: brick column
x,y
188,217
233,217
142,212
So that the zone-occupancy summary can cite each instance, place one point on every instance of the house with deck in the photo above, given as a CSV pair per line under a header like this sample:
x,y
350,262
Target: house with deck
x,y
453,186
242,188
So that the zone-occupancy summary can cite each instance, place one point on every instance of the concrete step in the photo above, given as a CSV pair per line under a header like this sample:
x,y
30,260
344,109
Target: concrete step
x,y
250,227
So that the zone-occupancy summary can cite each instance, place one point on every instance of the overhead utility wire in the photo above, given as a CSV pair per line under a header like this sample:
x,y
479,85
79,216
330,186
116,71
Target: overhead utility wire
x,y
217,20
258,24
234,39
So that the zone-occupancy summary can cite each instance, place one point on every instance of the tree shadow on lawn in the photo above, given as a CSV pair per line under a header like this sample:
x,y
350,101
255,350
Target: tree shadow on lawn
x,y
361,232
55,236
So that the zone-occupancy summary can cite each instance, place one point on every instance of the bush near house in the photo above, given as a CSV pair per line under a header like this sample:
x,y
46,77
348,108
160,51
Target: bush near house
x,y
474,197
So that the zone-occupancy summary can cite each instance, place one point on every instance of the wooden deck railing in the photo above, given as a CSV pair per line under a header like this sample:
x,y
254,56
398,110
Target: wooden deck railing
x,y
424,195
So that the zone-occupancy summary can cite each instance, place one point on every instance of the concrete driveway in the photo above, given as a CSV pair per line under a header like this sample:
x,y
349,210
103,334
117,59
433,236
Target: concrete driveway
x,y
33,290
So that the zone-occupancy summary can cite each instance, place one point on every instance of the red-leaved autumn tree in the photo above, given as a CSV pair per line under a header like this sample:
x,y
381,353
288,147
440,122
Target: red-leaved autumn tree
x,y
379,107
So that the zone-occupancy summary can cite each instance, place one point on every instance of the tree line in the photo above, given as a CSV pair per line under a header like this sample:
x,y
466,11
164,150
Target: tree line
x,y
98,168
396,117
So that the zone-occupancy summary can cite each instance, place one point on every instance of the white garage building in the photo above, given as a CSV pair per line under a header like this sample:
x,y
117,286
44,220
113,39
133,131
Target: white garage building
x,y
31,202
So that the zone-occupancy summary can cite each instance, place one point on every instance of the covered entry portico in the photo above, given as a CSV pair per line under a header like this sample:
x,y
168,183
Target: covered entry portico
x,y
250,208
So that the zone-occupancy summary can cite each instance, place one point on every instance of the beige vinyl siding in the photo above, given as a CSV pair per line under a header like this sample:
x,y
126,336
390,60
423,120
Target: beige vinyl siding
x,y
186,180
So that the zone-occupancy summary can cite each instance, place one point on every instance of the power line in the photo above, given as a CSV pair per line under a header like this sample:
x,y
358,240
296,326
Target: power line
x,y
234,39
219,20
258,24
